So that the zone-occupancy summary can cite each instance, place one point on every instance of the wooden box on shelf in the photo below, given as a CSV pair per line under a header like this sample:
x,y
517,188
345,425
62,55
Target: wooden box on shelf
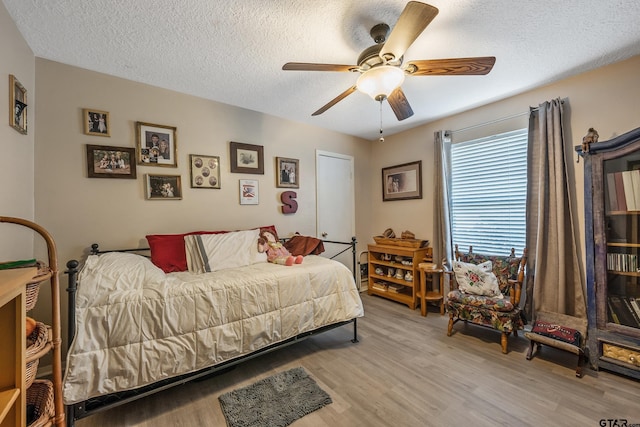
x,y
393,272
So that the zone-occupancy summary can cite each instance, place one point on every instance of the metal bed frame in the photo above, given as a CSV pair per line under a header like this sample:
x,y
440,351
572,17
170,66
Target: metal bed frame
x,y
97,404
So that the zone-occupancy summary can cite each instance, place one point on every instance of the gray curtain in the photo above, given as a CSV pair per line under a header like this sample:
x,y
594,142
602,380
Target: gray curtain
x,y
554,279
442,244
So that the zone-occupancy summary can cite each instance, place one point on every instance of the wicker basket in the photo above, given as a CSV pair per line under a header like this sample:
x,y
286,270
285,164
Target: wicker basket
x,y
33,286
40,395
407,243
36,346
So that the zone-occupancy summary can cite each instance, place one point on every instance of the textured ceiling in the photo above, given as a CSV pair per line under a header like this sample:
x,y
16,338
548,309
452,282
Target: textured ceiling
x,y
232,51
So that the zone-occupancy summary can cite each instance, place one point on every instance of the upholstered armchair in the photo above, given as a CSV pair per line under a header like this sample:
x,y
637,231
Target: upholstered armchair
x,y
487,294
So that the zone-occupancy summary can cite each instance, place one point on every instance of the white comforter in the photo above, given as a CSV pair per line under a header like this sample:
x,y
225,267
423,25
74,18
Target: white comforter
x,y
137,325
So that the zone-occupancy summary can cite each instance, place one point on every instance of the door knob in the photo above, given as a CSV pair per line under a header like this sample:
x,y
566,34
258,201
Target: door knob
x,y
324,234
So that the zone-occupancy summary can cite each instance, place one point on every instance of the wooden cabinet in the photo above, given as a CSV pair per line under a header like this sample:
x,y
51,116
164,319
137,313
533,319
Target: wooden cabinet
x,y
44,396
612,235
13,348
394,274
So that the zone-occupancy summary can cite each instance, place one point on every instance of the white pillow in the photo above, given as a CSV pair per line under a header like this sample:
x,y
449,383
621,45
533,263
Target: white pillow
x,y
477,279
213,252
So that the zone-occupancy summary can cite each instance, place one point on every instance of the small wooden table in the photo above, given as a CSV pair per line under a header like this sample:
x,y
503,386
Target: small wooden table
x,y
431,296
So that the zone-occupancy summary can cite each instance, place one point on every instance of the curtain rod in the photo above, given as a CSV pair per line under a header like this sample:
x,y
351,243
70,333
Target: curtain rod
x,y
491,122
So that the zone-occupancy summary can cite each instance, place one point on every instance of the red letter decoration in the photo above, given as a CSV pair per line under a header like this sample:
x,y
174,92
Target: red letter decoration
x,y
289,203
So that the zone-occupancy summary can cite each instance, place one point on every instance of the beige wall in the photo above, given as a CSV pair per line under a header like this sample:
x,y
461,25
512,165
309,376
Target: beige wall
x,y
78,210
607,99
16,161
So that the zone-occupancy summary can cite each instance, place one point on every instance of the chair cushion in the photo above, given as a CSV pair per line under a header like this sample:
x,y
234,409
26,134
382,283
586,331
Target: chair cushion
x,y
480,301
557,332
498,314
504,267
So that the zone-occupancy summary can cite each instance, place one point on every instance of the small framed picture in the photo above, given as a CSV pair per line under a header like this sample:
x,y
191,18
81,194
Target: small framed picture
x,y
96,122
247,158
156,145
249,194
110,162
402,182
17,105
288,173
163,187
205,171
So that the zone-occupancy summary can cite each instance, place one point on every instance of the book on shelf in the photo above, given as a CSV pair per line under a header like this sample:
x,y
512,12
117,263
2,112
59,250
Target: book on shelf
x,y
380,286
635,184
627,182
622,311
623,190
635,304
622,262
23,263
395,288
613,317
611,192
622,203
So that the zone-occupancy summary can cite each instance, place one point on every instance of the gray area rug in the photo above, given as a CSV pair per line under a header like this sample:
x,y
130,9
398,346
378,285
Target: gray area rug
x,y
276,401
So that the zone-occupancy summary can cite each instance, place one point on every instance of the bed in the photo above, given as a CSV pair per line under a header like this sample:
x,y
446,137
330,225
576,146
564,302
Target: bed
x,y
138,329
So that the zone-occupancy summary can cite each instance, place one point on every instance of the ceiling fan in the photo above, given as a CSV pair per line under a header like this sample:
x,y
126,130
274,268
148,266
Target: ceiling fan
x,y
380,66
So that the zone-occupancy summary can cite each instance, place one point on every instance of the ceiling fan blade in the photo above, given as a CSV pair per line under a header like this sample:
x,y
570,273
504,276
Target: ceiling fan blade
x,y
399,104
413,20
452,67
305,66
335,100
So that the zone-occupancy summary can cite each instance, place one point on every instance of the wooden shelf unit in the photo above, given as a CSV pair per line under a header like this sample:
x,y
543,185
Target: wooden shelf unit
x,y
14,344
612,236
30,275
379,259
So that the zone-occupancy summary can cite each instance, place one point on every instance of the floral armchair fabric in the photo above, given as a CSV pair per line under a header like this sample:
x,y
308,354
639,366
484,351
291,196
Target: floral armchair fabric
x,y
503,314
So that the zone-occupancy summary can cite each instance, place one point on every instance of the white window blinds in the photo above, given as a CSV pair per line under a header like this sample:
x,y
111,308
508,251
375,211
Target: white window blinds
x,y
488,193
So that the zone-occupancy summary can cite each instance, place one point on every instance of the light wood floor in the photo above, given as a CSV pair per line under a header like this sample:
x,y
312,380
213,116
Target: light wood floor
x,y
405,371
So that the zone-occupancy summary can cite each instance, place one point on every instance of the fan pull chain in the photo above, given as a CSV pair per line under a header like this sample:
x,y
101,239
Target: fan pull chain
x,y
381,135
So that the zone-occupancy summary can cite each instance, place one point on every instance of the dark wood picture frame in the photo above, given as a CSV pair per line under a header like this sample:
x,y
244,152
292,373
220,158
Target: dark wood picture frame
x,y
204,171
96,122
17,105
287,173
402,182
246,158
163,187
105,161
151,140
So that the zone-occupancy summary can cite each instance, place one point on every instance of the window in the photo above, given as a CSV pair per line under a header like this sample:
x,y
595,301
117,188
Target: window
x,y
488,193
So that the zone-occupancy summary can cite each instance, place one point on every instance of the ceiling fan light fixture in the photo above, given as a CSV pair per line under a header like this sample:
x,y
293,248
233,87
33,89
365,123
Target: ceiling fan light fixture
x,y
379,82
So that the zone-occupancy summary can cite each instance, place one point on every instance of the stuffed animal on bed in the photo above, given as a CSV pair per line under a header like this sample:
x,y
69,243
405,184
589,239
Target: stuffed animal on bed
x,y
276,252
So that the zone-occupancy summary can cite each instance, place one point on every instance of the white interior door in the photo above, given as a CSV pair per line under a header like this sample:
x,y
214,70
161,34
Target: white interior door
x,y
335,197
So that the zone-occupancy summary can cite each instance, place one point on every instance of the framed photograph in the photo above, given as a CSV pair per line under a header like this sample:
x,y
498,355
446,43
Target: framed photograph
x,y
17,105
96,122
249,194
288,173
247,158
402,182
110,162
163,187
156,145
205,171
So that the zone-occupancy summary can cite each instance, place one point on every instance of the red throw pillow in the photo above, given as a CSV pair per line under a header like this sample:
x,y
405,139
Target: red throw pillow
x,y
167,250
